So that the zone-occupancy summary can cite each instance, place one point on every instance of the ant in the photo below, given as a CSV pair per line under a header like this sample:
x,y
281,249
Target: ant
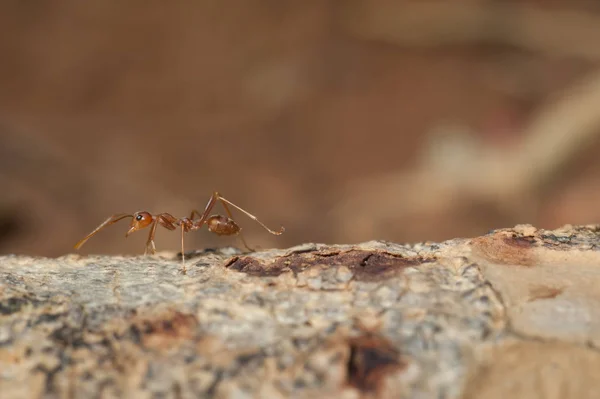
x,y
218,224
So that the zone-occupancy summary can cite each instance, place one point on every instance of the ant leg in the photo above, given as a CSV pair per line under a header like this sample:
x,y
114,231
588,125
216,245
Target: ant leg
x,y
182,251
165,220
107,222
169,222
150,243
211,203
251,216
240,234
204,215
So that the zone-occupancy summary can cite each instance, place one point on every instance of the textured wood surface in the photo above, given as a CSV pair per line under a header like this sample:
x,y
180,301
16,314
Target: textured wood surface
x,y
514,313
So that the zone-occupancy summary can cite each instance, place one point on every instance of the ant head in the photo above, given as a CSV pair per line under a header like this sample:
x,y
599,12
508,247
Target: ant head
x,y
140,220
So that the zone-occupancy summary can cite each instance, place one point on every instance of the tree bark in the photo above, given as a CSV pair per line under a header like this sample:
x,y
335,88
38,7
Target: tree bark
x,y
513,314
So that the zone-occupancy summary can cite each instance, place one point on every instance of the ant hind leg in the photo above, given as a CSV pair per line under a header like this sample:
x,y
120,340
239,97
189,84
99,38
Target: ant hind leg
x,y
226,202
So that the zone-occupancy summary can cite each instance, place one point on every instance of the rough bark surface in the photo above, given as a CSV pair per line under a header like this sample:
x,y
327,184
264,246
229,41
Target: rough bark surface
x,y
515,313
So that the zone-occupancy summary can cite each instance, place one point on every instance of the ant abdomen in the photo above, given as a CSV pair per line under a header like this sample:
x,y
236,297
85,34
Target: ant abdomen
x,y
222,226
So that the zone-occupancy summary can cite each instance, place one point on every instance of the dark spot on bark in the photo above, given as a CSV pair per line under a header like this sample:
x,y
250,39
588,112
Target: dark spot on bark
x,y
300,383
49,375
148,327
365,265
167,325
380,266
86,376
163,329
371,358
189,358
300,343
253,267
49,317
67,336
520,241
136,334
252,360
14,304
105,342
177,391
211,391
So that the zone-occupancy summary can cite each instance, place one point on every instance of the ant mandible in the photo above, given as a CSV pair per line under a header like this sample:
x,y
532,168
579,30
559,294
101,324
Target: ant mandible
x,y
218,224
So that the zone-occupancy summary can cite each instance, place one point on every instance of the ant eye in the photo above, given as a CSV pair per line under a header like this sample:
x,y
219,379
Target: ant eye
x,y
138,217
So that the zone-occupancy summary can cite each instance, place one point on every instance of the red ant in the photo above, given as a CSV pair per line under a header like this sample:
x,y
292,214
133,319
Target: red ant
x,y
218,224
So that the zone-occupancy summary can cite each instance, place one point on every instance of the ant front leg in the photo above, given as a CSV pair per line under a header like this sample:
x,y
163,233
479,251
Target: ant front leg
x,y
150,242
165,220
111,220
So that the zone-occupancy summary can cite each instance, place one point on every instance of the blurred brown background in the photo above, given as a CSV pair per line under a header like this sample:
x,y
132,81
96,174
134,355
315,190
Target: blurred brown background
x,y
343,121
